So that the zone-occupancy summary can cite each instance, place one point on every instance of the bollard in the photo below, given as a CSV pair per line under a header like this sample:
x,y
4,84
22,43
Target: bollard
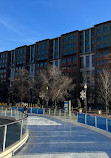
x,y
5,112
43,111
54,112
70,115
59,113
95,121
11,112
77,117
85,118
106,124
49,111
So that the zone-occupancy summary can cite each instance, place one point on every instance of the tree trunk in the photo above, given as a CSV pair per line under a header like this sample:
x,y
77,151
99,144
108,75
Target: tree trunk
x,y
55,104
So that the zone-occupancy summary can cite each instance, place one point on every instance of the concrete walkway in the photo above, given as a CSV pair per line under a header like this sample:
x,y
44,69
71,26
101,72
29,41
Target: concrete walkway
x,y
51,138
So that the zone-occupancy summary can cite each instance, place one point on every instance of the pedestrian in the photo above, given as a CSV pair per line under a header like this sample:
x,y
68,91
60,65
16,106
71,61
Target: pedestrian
x,y
25,109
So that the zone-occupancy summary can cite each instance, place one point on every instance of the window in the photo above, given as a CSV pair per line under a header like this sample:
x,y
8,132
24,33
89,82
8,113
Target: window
x,y
74,65
105,53
74,51
37,65
69,39
74,59
105,45
74,44
87,49
92,48
41,64
98,39
106,61
45,64
87,43
81,62
64,61
105,29
99,71
74,37
98,54
105,37
64,40
69,46
69,60
92,60
98,31
99,46
92,41
92,33
98,62
81,36
87,61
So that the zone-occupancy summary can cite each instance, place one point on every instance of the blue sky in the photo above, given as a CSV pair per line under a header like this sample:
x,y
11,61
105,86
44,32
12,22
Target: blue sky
x,y
24,22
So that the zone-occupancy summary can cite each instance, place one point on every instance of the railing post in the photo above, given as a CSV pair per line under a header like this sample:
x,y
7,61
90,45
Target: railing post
x,y
85,118
59,113
21,129
77,117
1,110
4,139
65,114
43,111
70,114
5,112
11,112
31,109
95,121
49,111
106,124
15,113
54,112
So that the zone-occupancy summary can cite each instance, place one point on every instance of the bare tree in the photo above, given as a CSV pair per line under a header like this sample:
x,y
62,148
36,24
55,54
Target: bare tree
x,y
104,88
22,84
54,84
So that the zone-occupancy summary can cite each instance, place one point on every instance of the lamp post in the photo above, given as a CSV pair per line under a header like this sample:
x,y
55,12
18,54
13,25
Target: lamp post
x,y
47,96
85,99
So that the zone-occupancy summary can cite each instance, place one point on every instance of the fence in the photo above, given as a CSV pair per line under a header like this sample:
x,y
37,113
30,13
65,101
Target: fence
x,y
14,131
95,121
89,119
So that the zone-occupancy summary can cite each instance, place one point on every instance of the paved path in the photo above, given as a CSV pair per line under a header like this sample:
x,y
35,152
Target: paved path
x,y
51,138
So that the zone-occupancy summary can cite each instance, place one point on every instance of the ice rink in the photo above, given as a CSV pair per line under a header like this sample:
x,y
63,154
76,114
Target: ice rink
x,y
51,138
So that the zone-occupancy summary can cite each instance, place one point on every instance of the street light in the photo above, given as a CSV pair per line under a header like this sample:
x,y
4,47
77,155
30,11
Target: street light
x,y
47,98
85,89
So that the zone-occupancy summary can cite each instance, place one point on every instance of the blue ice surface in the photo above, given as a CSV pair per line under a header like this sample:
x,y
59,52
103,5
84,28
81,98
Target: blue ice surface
x,y
63,138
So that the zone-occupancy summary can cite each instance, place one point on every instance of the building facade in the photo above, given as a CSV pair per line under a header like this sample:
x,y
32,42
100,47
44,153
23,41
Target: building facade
x,y
78,54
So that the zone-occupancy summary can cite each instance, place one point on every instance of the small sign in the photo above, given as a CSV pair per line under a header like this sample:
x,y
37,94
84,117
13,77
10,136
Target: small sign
x,y
82,94
66,106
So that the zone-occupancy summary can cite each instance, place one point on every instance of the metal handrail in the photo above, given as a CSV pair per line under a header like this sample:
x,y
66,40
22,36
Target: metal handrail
x,y
14,121
24,116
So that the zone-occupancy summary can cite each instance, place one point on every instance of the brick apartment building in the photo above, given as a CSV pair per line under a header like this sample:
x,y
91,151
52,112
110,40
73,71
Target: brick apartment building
x,y
76,53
